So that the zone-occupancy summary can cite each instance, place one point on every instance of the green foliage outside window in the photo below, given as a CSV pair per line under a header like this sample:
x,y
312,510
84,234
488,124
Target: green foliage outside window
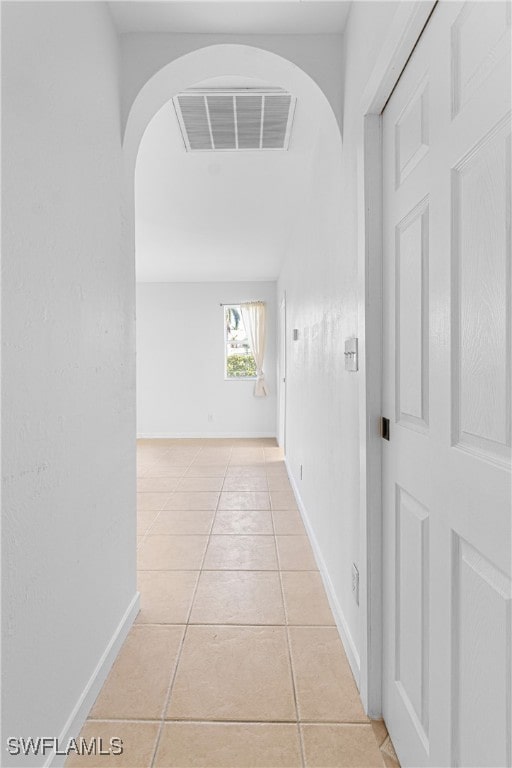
x,y
240,365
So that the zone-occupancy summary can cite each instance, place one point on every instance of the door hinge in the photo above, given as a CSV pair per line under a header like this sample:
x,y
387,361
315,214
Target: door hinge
x,y
384,428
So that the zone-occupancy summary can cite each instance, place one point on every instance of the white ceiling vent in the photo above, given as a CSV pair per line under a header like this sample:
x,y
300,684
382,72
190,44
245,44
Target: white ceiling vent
x,y
235,119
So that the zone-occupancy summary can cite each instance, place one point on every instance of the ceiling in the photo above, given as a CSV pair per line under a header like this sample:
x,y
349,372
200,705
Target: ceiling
x,y
215,216
223,216
231,17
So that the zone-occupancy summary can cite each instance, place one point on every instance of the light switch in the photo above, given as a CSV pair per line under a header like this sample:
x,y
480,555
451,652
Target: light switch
x,y
351,357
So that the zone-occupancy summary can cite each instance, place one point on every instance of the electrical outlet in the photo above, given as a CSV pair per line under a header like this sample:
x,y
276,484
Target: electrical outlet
x,y
355,583
210,417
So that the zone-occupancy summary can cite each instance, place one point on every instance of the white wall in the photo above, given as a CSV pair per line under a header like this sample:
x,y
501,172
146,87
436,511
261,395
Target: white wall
x,y
319,56
68,529
180,362
321,283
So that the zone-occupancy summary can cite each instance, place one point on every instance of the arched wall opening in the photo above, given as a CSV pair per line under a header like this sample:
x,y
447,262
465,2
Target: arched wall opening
x,y
247,203
318,304
316,135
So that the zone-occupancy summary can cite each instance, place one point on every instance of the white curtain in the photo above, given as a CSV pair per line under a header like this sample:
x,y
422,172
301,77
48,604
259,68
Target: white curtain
x,y
254,317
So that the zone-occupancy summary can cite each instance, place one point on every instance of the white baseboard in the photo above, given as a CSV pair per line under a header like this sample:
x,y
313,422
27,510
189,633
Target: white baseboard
x,y
203,436
339,617
88,696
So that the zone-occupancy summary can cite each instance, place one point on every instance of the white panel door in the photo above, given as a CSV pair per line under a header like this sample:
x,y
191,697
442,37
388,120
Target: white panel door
x,y
447,680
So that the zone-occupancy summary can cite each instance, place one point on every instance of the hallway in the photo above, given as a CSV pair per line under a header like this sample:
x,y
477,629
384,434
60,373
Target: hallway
x,y
234,659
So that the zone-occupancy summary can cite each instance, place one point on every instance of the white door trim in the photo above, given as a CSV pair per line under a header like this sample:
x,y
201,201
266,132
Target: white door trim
x,y
281,414
408,23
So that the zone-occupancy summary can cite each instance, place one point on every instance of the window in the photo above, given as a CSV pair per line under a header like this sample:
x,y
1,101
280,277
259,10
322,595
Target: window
x,y
239,362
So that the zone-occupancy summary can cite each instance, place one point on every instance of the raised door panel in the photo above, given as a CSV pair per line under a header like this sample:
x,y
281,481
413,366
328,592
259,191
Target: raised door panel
x,y
481,663
481,297
411,134
412,609
412,318
480,40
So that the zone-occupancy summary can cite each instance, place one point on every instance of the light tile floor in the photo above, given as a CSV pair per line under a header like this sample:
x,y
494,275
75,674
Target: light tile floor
x,y
234,660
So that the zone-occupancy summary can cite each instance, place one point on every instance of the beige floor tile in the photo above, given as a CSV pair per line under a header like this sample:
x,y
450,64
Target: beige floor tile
x,y
174,521
389,762
148,456
295,553
340,746
274,454
172,553
379,730
157,484
288,522
245,483
145,519
175,460
152,501
388,753
198,500
261,442
143,462
243,522
283,500
138,744
206,470
238,597
276,468
243,459
165,596
148,452
246,471
165,472
182,450
232,552
229,745
138,682
326,690
305,599
278,482
140,539
212,459
233,673
194,484
238,500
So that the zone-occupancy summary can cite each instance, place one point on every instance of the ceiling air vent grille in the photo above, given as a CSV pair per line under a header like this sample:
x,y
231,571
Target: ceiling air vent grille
x,y
232,120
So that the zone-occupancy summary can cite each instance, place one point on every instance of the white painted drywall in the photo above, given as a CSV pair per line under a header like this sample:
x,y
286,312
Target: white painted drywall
x,y
321,283
180,362
298,17
68,529
144,54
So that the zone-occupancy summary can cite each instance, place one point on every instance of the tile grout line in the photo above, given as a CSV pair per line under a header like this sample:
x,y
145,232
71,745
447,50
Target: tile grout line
x,y
351,723
297,722
147,531
214,516
264,570
294,686
187,625
292,671
174,672
166,699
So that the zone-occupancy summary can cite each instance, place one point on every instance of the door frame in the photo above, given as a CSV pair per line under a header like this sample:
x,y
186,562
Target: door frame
x,y
407,25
